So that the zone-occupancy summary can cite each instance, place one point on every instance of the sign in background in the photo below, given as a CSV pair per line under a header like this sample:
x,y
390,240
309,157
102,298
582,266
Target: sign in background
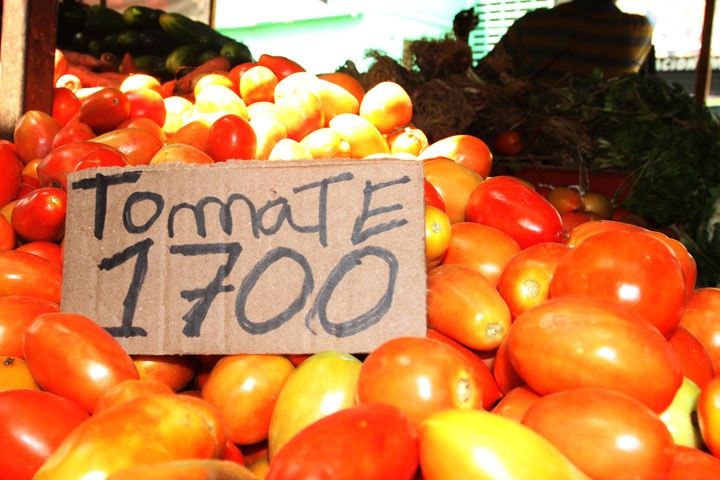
x,y
248,257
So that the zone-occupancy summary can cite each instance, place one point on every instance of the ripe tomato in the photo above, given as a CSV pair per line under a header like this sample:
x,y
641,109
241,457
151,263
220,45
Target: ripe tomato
x,y
346,81
691,464
437,235
186,470
245,388
175,371
65,105
453,182
146,103
708,409
464,305
694,358
128,390
105,109
516,402
509,143
236,73
584,421
40,215
480,247
231,137
136,144
193,133
33,135
50,251
23,273
508,204
366,442
34,424
15,375
485,446
565,199
586,230
16,313
420,376
257,84
525,281
687,262
8,239
280,66
146,124
504,372
700,318
432,197
467,150
74,357
10,173
387,105
58,164
572,342
73,131
625,269
147,430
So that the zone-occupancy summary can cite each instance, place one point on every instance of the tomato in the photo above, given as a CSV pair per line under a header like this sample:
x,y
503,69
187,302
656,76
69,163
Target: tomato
x,y
565,199
438,233
257,84
708,410
508,204
464,305
432,197
10,173
323,384
23,273
692,464
236,73
144,431
361,136
268,131
570,220
33,135
504,372
193,133
128,390
687,262
105,109
245,388
144,123
34,424
515,403
420,376
231,137
480,247
280,66
453,182
65,105
146,103
490,391
588,229
8,239
632,270
485,446
180,153
175,371
387,105
72,131
16,313
55,167
186,470
137,145
467,150
525,281
508,143
50,251
407,140
300,112
346,81
700,318
694,358
72,356
15,375
572,342
366,442
40,215
584,421
214,101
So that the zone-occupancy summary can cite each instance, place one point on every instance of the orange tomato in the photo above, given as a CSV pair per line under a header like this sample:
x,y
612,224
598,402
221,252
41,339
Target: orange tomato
x,y
464,305
146,124
257,84
144,431
128,390
708,410
692,464
136,144
50,251
175,371
700,318
387,106
186,470
192,133
467,150
694,358
16,313
565,199
687,262
505,374
437,235
245,388
22,273
15,375
7,235
588,229
180,153
516,402
346,81
453,182
482,248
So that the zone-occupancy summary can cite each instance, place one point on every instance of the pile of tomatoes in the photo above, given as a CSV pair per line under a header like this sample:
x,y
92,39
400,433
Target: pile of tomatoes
x,y
551,352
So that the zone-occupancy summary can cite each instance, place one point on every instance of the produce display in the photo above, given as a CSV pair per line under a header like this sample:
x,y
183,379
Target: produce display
x,y
566,338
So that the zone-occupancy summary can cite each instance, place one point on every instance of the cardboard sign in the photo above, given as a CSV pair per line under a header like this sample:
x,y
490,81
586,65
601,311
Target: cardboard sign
x,y
248,256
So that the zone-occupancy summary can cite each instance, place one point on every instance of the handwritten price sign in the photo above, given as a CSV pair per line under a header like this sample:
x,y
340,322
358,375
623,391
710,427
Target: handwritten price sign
x,y
248,257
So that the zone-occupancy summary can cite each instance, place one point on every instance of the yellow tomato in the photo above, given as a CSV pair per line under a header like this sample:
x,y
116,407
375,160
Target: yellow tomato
x,y
437,234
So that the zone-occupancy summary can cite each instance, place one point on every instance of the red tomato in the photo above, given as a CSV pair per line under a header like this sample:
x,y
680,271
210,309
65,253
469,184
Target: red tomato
x,y
50,251
231,137
74,357
146,103
453,182
490,391
105,109
508,143
693,464
701,320
505,374
34,424
525,281
144,431
137,145
516,402
694,358
7,235
236,73
432,197
573,342
128,390
54,168
34,133
233,453
16,313
464,305
144,123
510,205
420,376
65,105
625,269
40,215
10,173
73,131
708,410
279,65
584,421
23,273
467,150
175,371
586,230
480,247
687,262
366,442
244,388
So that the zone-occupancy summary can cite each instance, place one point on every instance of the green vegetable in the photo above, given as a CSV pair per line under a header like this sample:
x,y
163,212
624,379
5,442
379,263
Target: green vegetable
x,y
184,56
138,16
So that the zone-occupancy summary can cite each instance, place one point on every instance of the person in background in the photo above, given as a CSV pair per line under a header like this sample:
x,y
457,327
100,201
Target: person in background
x,y
573,38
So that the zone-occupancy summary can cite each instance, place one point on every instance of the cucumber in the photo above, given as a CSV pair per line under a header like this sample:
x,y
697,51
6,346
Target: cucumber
x,y
184,56
236,53
102,20
186,30
152,65
206,55
139,16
